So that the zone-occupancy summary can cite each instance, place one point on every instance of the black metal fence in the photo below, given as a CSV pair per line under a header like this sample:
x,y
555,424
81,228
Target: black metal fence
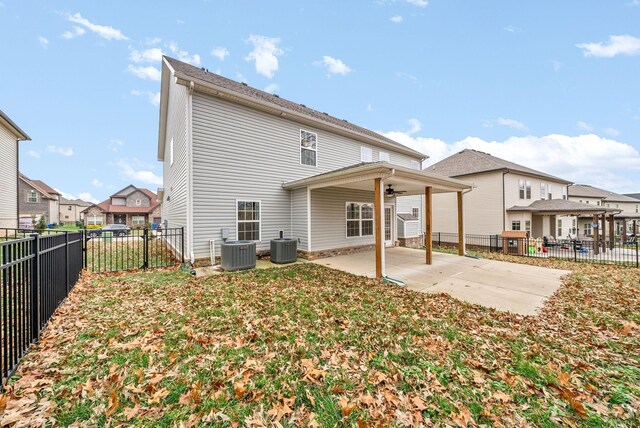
x,y
38,272
618,252
107,251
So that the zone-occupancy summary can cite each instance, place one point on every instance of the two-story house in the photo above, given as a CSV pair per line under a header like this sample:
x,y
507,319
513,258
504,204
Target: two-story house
x,y
10,136
628,209
243,161
133,206
506,196
71,210
37,199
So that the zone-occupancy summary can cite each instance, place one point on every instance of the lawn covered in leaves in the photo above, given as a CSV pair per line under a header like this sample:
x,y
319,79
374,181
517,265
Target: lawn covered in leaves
x,y
306,345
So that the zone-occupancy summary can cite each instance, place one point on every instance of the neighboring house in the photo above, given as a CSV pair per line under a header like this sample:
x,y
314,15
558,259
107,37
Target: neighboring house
x,y
132,206
37,199
71,210
627,207
243,161
10,136
633,195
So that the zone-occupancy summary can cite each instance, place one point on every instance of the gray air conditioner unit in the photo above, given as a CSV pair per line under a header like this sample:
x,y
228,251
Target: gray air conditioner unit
x,y
284,250
238,255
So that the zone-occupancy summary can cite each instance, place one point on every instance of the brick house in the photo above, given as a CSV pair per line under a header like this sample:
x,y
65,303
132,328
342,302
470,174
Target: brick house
x,y
132,206
37,199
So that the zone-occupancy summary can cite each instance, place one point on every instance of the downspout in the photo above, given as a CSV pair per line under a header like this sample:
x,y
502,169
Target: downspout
x,y
504,207
17,184
189,149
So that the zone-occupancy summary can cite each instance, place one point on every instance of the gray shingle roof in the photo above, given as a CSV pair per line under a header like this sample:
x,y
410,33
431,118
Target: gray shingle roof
x,y
633,195
470,161
587,191
408,217
560,206
243,89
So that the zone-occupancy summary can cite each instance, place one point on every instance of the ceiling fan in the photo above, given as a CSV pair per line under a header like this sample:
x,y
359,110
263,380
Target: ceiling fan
x,y
390,192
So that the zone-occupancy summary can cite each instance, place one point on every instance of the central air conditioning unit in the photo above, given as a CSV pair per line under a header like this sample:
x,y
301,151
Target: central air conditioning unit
x,y
238,255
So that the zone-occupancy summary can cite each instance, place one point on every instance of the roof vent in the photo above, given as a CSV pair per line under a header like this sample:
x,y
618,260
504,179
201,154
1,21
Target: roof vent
x,y
325,113
202,68
303,105
345,120
243,84
276,95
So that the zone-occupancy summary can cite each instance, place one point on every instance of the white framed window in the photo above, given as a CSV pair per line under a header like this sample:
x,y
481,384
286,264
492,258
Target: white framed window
x,y
32,197
138,202
543,190
549,192
415,165
366,154
308,148
248,220
383,156
93,220
559,231
527,225
587,229
564,192
521,189
528,189
137,220
598,203
415,212
171,152
637,208
359,219
515,225
69,208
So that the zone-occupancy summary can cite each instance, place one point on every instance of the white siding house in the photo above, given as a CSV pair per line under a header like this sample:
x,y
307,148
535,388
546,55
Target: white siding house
x,y
10,135
252,163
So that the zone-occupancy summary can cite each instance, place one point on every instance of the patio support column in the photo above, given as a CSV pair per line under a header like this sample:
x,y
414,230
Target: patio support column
x,y
612,231
596,237
377,215
461,245
428,235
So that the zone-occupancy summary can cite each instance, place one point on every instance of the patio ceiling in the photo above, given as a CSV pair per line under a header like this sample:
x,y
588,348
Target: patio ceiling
x,y
359,176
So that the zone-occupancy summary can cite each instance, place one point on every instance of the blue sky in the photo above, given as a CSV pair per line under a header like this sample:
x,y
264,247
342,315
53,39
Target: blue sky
x,y
551,85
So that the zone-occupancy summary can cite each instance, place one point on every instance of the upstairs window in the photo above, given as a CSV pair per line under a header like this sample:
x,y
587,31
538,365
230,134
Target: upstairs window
x,y
521,188
32,197
415,165
636,208
383,156
308,148
564,192
248,220
543,190
528,190
415,212
549,192
366,154
359,219
69,208
515,225
524,189
138,202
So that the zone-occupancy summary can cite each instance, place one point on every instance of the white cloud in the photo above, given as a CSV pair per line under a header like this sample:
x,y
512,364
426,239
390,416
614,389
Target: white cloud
x,y
611,132
180,21
86,196
369,107
64,151
589,158
44,42
144,176
407,75
265,54
556,65
416,126
33,154
511,123
272,88
183,55
153,97
148,72
77,32
511,29
104,31
97,183
147,55
115,144
334,65
151,41
419,3
396,19
618,45
220,53
584,126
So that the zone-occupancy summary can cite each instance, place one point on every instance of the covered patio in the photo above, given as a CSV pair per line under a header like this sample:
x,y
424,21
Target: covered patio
x,y
505,286
383,179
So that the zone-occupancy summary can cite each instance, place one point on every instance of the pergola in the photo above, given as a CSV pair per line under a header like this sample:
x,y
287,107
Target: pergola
x,y
375,176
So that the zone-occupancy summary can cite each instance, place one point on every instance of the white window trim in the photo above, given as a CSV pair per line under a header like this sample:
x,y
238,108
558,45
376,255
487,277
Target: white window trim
x,y
138,202
91,219
384,155
250,221
522,189
306,148
369,151
519,224
543,190
360,219
413,209
32,192
133,222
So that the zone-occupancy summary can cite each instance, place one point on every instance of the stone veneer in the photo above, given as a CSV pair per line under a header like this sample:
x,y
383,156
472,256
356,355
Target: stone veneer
x,y
414,242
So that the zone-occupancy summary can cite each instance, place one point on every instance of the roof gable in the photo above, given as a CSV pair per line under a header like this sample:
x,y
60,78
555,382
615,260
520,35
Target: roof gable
x,y
588,191
469,161
37,186
11,126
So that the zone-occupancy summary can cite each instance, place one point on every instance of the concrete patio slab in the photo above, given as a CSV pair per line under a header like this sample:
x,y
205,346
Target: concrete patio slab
x,y
517,288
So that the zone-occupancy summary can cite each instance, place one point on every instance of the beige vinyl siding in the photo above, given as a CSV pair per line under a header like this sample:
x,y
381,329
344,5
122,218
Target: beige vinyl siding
x,y
299,217
8,179
175,177
245,154
328,219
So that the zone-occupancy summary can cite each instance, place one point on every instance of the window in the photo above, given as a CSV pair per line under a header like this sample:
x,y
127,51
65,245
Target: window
x,y
598,203
308,148
94,219
137,220
138,202
382,156
636,208
248,220
415,165
559,228
527,225
521,188
564,192
587,229
359,219
525,189
528,190
171,153
69,208
549,192
415,212
66,217
587,202
32,196
366,154
543,190
515,225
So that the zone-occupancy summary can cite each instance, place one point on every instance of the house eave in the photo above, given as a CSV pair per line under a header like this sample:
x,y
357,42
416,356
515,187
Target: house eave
x,y
15,129
167,72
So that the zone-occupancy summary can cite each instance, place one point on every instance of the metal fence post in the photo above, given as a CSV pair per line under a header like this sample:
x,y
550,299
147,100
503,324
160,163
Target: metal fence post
x,y
637,261
145,248
84,247
66,262
182,243
35,287
575,251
